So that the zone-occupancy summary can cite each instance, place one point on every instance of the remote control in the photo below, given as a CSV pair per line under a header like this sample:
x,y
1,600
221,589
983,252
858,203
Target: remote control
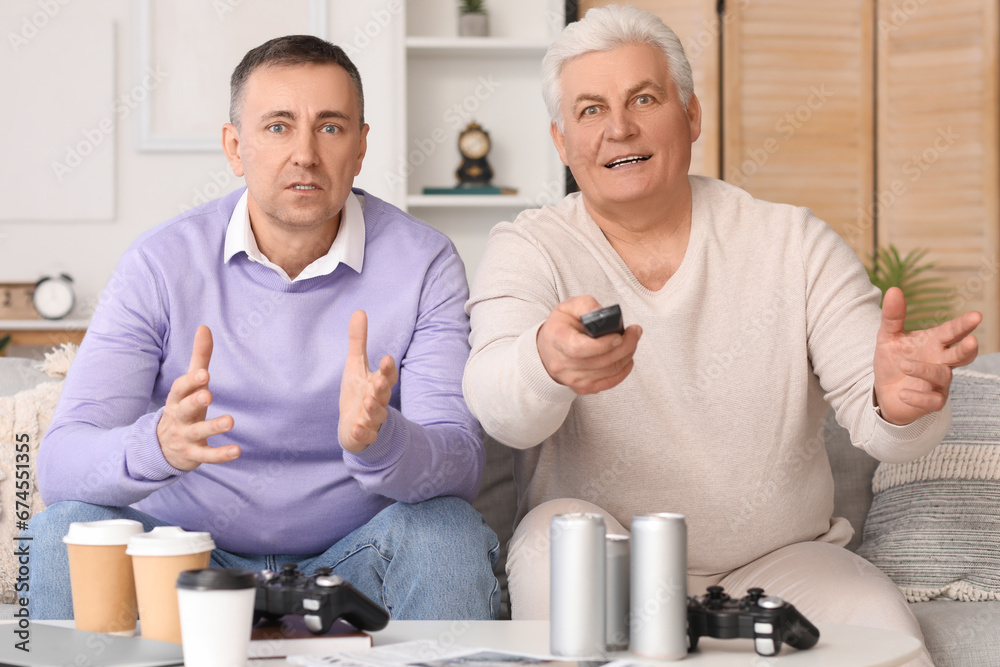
x,y
603,321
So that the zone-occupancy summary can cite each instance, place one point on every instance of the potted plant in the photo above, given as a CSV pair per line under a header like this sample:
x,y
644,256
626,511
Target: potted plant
x,y
927,296
4,342
472,18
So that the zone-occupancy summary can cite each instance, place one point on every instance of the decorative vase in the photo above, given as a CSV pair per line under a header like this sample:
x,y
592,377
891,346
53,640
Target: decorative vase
x,y
473,25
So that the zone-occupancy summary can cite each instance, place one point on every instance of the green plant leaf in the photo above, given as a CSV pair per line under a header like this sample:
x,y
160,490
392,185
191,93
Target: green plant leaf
x,y
928,296
472,6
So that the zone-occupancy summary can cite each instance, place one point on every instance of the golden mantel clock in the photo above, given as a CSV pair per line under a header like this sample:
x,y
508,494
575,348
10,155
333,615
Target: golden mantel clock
x,y
474,145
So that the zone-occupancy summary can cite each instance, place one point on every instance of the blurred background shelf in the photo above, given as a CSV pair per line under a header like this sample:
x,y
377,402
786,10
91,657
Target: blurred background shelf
x,y
496,81
492,47
468,201
44,332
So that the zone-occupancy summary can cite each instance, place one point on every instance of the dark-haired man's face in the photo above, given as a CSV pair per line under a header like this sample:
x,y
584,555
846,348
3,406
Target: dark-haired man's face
x,y
299,146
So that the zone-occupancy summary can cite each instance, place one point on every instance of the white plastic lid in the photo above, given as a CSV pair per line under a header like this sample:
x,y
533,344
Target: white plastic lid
x,y
102,533
169,541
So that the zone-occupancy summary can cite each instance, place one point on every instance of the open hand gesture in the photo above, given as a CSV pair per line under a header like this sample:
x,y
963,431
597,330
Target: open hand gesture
x,y
182,430
913,370
364,396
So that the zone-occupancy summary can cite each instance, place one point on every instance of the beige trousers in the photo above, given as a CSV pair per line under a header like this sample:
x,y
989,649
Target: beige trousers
x,y
825,582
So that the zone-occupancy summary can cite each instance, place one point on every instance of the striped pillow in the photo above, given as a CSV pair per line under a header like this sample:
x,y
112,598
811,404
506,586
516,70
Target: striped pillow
x,y
934,524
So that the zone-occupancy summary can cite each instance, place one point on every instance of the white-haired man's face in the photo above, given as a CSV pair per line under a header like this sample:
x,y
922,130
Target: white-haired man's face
x,y
626,134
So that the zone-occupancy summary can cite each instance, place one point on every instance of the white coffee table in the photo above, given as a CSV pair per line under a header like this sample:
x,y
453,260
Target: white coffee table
x,y
839,645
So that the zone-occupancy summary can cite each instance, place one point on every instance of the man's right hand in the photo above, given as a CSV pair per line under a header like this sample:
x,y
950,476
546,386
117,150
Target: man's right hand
x,y
572,358
182,430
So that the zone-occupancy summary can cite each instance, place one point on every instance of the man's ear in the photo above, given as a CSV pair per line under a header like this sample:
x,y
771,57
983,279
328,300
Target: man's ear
x,y
363,148
694,117
559,139
231,145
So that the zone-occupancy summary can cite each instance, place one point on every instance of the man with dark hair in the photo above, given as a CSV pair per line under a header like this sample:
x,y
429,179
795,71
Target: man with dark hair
x,y
292,450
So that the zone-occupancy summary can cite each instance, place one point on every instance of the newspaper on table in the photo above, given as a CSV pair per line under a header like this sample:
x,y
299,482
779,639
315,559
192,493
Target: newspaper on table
x,y
431,653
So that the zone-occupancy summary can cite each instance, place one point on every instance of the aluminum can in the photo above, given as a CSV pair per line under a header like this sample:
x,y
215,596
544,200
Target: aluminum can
x,y
659,586
617,569
577,607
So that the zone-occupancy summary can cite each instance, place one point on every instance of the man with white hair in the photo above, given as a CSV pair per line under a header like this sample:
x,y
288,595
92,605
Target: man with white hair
x,y
745,320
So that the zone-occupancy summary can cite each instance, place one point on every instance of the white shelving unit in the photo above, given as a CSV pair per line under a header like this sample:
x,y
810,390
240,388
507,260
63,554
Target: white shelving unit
x,y
495,81
44,333
75,324
467,201
496,47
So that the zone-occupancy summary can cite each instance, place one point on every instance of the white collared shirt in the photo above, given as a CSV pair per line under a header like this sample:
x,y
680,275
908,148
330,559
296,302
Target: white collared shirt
x,y
347,248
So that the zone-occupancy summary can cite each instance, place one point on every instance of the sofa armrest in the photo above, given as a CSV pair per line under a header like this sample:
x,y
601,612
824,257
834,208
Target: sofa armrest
x,y
17,374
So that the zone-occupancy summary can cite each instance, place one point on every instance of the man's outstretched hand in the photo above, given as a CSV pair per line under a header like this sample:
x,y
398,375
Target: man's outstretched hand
x,y
182,430
364,396
913,370
573,359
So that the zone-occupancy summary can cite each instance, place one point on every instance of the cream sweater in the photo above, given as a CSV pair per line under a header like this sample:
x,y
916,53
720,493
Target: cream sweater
x,y
769,318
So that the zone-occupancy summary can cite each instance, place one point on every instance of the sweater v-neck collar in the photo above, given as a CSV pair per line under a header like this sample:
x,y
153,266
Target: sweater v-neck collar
x,y
691,253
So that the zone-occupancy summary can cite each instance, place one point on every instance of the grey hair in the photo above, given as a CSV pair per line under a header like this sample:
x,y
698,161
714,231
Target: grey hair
x,y
604,29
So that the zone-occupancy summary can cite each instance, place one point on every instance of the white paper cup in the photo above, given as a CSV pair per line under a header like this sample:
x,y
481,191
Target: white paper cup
x,y
216,607
157,558
100,575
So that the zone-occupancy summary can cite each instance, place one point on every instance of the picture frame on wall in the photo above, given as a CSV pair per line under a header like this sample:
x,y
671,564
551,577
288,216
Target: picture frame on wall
x,y
187,50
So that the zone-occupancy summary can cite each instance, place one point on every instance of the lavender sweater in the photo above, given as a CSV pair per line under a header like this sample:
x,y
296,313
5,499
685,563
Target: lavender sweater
x,y
276,368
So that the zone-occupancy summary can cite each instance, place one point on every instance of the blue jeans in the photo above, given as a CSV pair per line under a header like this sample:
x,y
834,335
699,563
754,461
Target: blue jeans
x,y
428,560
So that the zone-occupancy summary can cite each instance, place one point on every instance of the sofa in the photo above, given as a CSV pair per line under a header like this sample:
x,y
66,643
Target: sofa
x,y
941,514
934,518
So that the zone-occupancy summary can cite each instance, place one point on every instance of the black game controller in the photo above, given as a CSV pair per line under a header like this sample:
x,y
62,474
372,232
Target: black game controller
x,y
768,621
320,599
603,321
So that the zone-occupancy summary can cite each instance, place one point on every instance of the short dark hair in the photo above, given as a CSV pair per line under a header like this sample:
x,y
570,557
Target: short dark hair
x,y
288,51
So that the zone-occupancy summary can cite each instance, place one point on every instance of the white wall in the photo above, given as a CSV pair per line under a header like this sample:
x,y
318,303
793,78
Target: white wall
x,y
148,187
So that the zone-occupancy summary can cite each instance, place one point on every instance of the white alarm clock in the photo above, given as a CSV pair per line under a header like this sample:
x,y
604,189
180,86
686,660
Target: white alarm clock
x,y
54,296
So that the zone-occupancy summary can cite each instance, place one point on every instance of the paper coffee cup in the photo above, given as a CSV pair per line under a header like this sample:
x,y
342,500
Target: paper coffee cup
x,y
216,607
100,573
158,557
